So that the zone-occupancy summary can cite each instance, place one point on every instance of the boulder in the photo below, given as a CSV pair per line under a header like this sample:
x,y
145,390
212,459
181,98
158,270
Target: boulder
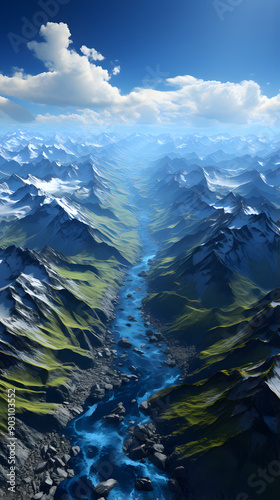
x,y
119,409
51,463
44,450
159,448
138,351
40,467
158,459
27,480
61,472
52,491
142,433
38,495
124,343
103,489
66,458
159,336
113,418
152,427
143,484
153,339
46,484
143,274
75,450
170,362
129,443
59,462
149,333
141,436
138,453
116,383
144,407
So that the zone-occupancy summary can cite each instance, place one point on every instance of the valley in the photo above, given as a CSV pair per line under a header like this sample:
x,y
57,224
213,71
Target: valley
x,y
140,314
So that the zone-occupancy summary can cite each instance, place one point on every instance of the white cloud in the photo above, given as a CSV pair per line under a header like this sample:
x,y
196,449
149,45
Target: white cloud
x,y
84,117
54,51
92,53
73,80
182,81
270,111
116,70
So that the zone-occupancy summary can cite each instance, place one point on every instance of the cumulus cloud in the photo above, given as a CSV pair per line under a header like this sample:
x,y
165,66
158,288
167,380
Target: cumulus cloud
x,y
92,53
213,100
270,110
116,70
182,81
15,111
73,80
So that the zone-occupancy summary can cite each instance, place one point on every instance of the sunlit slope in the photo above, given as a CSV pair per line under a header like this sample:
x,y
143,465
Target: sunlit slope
x,y
62,262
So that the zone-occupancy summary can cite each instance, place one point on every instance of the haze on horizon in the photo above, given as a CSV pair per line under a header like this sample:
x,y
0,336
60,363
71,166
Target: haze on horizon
x,y
209,67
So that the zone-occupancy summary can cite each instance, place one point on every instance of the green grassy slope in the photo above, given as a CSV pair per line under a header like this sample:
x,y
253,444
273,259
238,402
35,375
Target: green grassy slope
x,y
222,423
62,318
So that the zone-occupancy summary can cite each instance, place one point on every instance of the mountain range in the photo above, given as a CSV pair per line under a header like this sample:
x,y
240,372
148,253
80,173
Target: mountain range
x,y
69,209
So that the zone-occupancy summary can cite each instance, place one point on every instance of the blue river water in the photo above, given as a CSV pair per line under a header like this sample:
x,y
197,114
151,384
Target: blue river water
x,y
102,455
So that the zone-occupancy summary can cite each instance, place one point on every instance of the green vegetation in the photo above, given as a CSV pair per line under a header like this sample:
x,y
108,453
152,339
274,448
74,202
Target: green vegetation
x,y
219,412
59,333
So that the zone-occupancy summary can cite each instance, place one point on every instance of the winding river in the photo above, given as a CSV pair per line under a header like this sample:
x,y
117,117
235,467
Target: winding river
x,y
102,443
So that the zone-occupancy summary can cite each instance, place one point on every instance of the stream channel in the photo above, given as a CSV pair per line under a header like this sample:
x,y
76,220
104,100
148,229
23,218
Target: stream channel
x,y
102,456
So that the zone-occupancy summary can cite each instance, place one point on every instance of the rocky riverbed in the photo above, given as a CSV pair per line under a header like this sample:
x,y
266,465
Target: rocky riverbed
x,y
113,448
117,440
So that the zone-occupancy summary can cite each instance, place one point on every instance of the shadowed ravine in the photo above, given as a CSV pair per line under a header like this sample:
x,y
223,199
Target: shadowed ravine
x,y
102,455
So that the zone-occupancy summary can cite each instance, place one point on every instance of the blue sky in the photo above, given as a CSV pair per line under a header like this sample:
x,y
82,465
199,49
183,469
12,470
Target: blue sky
x,y
151,43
